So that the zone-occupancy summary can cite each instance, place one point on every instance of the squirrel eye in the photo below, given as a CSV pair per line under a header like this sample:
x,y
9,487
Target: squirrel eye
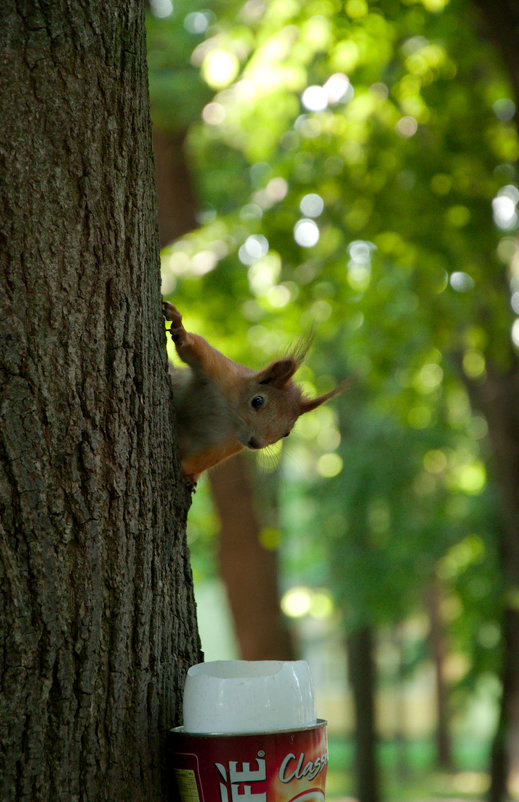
x,y
257,401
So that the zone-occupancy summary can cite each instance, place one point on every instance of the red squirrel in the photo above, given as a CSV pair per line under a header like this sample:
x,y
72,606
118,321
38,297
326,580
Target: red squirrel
x,y
223,407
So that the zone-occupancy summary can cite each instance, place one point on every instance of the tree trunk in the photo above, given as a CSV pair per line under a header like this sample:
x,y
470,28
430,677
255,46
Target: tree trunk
x,y
402,765
248,570
498,399
501,20
437,651
501,756
177,203
362,674
97,620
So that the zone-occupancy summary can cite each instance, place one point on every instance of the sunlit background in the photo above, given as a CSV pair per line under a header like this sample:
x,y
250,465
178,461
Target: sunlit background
x,y
348,169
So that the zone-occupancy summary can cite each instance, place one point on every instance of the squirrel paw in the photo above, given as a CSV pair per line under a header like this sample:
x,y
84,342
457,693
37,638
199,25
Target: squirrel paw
x,y
171,313
191,480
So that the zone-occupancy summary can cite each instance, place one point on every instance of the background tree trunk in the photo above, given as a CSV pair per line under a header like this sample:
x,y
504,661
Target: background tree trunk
x,y
438,653
362,675
501,20
248,569
498,399
501,746
177,202
97,620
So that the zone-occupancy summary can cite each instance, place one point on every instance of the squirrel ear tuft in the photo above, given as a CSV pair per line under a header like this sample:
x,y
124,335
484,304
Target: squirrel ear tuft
x,y
278,373
308,404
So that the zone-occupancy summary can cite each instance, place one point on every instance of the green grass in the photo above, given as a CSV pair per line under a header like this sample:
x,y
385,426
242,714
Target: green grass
x,y
408,772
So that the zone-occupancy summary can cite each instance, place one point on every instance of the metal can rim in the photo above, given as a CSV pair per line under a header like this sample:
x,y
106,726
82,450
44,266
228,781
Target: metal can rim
x,y
319,724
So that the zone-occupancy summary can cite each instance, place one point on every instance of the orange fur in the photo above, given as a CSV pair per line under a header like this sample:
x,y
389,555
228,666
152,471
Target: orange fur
x,y
193,466
223,407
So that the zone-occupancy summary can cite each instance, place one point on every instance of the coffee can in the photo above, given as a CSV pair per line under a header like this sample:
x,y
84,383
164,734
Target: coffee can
x,y
275,766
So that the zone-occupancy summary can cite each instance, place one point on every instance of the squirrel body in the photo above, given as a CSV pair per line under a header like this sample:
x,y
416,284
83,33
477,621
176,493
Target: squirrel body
x,y
223,407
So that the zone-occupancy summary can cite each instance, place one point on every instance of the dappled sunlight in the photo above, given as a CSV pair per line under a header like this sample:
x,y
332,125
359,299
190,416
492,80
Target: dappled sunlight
x,y
264,273
469,551
301,601
468,478
312,205
407,126
306,233
329,465
265,340
461,282
428,378
504,208
274,192
336,89
161,8
214,113
473,364
220,68
190,258
252,250
314,98
197,22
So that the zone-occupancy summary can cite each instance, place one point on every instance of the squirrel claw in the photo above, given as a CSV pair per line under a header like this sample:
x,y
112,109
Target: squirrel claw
x,y
191,480
176,329
171,313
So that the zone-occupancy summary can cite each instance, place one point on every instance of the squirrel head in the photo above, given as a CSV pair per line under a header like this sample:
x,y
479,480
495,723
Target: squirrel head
x,y
271,403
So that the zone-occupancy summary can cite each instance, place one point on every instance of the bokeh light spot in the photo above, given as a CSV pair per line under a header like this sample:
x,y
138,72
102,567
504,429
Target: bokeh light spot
x,y
329,465
306,233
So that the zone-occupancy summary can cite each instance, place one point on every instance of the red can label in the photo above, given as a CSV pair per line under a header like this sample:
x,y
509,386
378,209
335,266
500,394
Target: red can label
x,y
287,766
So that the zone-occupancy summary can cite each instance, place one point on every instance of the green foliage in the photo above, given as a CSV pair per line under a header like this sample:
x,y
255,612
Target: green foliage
x,y
347,157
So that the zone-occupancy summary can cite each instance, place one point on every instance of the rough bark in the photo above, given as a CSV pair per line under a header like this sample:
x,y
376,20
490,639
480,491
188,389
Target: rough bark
x,y
362,675
97,621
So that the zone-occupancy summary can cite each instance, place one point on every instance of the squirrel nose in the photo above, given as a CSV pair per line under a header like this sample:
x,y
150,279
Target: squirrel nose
x,y
253,443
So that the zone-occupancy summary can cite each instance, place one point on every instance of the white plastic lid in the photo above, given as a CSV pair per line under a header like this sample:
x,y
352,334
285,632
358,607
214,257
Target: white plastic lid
x,y
242,696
